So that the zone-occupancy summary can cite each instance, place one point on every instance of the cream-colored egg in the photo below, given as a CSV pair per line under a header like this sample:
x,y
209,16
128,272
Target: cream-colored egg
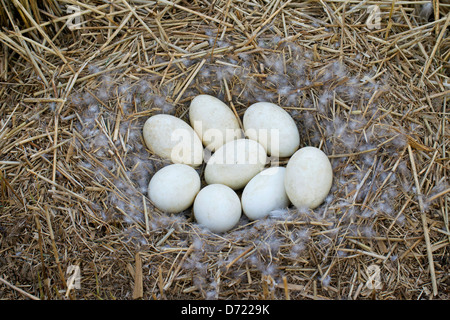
x,y
309,177
264,193
171,138
213,121
173,188
273,127
235,163
217,207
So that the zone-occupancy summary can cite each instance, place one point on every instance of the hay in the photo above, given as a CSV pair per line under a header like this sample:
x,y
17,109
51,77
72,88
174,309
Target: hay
x,y
74,168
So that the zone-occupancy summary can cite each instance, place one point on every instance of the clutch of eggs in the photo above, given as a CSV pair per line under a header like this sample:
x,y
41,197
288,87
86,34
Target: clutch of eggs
x,y
237,162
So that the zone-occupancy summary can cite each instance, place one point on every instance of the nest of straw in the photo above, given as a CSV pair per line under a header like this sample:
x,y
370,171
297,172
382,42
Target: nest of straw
x,y
75,220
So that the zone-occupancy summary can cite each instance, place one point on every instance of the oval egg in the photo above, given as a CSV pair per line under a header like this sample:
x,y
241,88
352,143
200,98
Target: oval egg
x,y
264,193
309,176
173,188
213,121
171,138
273,127
217,207
235,163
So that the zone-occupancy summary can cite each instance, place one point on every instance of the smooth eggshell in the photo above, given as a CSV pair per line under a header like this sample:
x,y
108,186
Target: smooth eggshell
x,y
213,121
273,127
309,177
217,207
171,138
235,163
265,193
173,188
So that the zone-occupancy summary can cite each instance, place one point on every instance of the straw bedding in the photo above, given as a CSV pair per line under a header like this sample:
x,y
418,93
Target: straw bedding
x,y
75,169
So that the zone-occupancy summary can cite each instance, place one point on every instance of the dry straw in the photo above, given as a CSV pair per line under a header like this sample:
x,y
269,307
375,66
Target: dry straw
x,y
74,169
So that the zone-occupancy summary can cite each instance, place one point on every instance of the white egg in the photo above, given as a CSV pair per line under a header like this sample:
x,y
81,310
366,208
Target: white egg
x,y
273,127
309,177
264,193
171,138
213,121
173,188
217,207
235,163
